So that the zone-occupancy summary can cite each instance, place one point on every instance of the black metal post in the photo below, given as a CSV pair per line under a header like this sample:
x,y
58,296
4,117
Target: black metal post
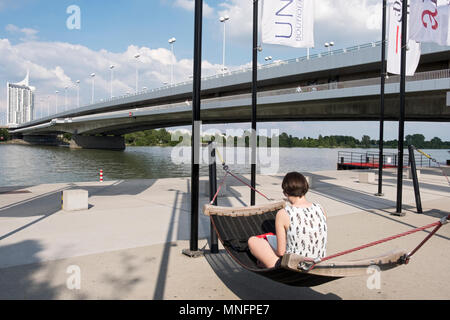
x,y
401,123
212,191
254,101
383,81
412,161
195,140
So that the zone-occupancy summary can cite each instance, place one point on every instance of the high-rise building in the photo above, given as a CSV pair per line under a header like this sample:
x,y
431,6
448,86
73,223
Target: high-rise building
x,y
20,102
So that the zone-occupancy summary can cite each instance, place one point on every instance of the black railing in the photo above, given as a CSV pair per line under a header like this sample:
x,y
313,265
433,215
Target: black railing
x,y
370,159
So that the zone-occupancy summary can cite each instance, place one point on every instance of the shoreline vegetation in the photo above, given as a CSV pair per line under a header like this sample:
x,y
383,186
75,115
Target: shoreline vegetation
x,y
164,138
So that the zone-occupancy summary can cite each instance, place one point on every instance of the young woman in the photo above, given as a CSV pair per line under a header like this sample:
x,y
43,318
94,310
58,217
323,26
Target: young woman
x,y
301,227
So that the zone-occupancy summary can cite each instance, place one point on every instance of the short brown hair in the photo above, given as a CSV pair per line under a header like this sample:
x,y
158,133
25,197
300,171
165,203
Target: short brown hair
x,y
295,184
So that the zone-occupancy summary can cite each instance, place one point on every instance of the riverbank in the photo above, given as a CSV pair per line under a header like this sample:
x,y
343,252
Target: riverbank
x,y
128,244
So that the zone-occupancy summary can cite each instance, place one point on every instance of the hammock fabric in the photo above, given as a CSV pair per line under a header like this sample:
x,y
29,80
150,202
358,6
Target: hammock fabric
x,y
234,226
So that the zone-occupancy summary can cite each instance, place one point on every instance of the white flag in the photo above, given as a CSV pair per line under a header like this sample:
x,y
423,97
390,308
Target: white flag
x,y
288,23
429,22
395,42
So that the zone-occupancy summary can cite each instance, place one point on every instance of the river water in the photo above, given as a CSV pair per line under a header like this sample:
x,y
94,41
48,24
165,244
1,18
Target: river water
x,y
31,165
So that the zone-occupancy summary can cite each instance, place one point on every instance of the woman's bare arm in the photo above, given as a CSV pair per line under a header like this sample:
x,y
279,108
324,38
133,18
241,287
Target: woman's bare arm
x,y
281,227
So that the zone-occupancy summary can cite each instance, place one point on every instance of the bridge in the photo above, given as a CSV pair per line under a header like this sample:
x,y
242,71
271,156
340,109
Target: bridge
x,y
338,85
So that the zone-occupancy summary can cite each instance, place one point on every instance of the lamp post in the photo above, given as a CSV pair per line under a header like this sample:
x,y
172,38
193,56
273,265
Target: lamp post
x,y
41,113
329,45
78,93
224,20
111,67
65,97
137,71
172,41
93,87
48,106
56,101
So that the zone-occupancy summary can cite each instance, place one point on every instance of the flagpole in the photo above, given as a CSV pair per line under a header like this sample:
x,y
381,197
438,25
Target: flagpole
x,y
383,81
195,147
254,101
401,124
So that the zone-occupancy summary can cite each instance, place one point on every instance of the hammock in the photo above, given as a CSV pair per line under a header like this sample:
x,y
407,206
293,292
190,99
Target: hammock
x,y
234,226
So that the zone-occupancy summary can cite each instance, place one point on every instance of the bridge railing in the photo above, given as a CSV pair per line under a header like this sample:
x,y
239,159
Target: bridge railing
x,y
429,75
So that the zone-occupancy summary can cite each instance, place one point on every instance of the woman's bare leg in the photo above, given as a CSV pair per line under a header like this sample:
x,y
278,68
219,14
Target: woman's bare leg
x,y
262,251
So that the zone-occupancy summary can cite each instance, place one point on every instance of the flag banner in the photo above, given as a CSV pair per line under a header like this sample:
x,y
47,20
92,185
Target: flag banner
x,y
288,23
395,42
429,22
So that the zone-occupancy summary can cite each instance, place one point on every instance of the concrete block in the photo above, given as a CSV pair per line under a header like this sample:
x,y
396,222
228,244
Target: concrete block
x,y
367,177
74,200
409,174
204,188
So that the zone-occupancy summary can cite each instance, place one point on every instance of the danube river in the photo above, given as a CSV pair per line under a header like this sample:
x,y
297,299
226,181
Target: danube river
x,y
31,165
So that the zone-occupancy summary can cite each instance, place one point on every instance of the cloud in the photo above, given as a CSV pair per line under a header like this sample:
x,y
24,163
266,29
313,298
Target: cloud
x,y
189,5
349,21
56,65
28,33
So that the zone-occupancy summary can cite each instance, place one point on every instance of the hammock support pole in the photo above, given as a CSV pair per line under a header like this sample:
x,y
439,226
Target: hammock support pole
x,y
415,179
253,137
212,191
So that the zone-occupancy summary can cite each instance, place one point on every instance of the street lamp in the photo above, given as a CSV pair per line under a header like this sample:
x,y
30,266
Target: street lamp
x,y
48,106
268,58
223,20
65,97
93,87
111,67
56,102
137,71
78,93
329,45
172,41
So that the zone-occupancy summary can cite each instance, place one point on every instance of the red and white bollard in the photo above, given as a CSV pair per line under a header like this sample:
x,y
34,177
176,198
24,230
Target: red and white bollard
x,y
101,175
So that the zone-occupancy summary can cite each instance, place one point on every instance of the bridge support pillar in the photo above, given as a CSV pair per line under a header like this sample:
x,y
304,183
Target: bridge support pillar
x,y
98,142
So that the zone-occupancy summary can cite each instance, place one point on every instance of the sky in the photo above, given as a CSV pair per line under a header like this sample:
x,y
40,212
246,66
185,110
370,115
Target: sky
x,y
35,36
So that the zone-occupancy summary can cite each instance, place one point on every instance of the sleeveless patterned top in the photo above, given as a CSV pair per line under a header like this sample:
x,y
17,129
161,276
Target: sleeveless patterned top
x,y
307,233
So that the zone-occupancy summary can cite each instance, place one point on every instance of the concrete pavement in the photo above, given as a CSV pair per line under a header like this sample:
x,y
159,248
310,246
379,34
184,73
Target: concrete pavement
x,y
128,244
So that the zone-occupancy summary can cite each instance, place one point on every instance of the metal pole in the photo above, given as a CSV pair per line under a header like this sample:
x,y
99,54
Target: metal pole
x,y
223,52
401,124
415,179
212,191
195,147
254,100
383,81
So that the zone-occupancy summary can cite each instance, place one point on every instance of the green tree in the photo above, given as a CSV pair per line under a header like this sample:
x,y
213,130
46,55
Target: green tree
x,y
4,135
365,141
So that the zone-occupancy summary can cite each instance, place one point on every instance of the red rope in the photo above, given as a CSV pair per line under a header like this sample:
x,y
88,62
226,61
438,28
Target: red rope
x,y
436,224
220,187
247,184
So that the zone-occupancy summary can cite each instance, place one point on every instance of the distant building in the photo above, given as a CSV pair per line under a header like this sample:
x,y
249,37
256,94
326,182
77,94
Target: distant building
x,y
20,102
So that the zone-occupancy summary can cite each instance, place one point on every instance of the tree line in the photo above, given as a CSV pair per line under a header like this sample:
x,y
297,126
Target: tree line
x,y
162,137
